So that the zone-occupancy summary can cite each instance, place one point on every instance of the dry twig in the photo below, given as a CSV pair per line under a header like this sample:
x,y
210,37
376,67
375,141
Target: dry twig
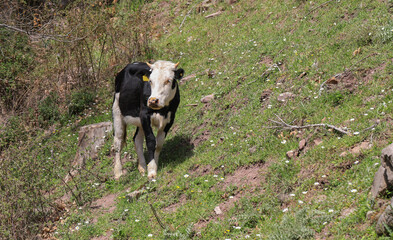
x,y
282,124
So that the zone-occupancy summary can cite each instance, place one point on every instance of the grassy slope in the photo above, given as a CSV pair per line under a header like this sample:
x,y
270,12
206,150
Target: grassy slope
x,y
239,46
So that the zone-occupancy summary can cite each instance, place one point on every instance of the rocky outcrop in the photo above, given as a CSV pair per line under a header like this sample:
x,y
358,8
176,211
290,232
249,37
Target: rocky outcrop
x,y
91,138
383,179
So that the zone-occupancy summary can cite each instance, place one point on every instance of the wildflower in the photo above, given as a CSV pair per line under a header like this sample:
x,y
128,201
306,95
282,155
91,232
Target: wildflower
x,y
230,196
324,223
285,210
316,183
300,202
153,180
291,194
284,141
150,235
215,176
323,176
356,162
305,192
352,119
77,228
331,210
376,164
126,210
137,220
354,190
356,133
186,175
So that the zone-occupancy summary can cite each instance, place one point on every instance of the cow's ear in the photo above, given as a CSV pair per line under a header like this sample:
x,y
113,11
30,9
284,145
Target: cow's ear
x,y
143,72
179,73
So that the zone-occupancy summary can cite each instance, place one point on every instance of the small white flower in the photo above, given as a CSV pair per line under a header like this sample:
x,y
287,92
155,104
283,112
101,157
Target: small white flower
x,y
349,183
150,235
331,210
376,164
206,180
285,210
305,192
258,235
153,180
291,194
324,223
237,227
322,147
126,210
356,162
354,190
77,228
300,202
230,196
186,175
80,208
323,176
137,220
269,106
352,119
356,133
372,108
316,183
247,236
366,114
87,222
215,176
287,161
284,141
213,145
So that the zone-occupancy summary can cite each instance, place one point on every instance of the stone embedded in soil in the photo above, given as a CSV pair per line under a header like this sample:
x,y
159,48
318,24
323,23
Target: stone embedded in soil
x,y
302,144
362,146
217,210
385,221
285,96
291,154
207,99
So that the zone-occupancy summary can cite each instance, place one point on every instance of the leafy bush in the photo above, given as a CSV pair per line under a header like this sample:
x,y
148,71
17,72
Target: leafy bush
x,y
48,110
79,101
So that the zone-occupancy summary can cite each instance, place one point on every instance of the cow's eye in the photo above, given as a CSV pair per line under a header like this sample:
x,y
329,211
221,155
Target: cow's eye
x,y
167,82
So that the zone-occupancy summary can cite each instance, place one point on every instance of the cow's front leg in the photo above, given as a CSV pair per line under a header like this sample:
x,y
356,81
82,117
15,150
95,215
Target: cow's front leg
x,y
152,168
138,141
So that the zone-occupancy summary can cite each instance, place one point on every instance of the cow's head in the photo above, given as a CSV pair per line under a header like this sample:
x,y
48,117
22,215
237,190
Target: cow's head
x,y
163,84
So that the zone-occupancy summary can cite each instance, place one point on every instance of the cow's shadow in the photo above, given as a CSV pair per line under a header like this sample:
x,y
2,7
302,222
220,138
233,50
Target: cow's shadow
x,y
176,150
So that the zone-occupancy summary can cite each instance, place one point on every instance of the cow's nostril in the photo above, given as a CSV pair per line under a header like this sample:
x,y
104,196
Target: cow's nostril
x,y
153,101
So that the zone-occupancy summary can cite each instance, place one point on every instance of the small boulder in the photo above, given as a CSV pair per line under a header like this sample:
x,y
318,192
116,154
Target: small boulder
x,y
207,99
302,144
292,154
217,210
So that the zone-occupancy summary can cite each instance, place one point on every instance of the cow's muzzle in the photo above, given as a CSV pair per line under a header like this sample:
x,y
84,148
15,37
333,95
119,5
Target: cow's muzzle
x,y
153,103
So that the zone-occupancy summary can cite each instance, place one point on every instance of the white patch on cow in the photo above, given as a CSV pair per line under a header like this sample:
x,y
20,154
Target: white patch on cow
x,y
136,121
161,79
159,121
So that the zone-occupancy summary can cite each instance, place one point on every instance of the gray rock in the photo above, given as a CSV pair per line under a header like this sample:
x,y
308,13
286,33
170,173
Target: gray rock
x,y
207,98
385,221
379,185
91,138
387,157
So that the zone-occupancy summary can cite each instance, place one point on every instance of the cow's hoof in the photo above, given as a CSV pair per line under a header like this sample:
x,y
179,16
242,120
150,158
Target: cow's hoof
x,y
142,170
118,175
152,175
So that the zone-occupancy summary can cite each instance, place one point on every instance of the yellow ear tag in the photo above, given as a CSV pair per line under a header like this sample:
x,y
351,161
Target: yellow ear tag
x,y
145,78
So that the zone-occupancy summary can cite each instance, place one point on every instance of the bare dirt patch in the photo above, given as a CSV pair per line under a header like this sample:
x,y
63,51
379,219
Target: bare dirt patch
x,y
106,204
246,181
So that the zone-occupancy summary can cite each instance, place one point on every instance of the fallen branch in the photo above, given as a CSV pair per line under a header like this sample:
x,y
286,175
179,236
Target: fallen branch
x,y
283,125
286,126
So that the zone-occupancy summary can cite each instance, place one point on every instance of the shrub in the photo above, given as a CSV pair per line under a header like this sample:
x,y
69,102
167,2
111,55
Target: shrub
x,y
48,110
79,101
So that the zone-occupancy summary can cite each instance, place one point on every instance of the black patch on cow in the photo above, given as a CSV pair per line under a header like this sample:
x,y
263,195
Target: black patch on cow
x,y
179,73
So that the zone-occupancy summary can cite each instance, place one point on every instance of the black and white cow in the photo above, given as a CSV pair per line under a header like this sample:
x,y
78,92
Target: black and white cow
x,y
146,95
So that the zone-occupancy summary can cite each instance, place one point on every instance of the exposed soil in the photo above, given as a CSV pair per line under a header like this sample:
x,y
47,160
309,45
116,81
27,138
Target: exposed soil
x,y
247,180
173,207
106,204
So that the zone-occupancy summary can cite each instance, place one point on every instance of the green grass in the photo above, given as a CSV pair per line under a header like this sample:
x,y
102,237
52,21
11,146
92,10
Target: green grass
x,y
241,46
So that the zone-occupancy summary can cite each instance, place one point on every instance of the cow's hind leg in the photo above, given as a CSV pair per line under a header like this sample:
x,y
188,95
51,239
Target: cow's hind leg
x,y
138,141
119,142
152,167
